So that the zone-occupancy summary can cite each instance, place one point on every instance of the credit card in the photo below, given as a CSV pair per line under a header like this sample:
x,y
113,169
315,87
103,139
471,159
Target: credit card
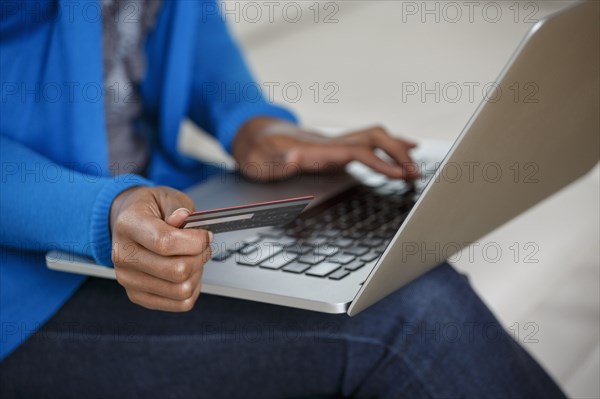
x,y
263,214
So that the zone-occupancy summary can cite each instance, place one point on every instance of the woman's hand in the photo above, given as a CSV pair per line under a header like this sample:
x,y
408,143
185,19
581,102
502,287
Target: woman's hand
x,y
158,264
271,149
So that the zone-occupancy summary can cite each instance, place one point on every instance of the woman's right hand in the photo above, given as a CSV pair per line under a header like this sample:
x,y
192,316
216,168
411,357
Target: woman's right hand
x,y
159,265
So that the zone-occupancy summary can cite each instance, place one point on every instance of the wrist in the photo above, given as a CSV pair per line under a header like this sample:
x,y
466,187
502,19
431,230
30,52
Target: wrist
x,y
117,204
100,225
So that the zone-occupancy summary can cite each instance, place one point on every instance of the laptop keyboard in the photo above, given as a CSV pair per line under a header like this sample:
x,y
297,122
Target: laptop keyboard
x,y
333,239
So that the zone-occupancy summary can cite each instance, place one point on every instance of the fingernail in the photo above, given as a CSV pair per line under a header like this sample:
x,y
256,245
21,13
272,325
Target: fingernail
x,y
180,210
292,156
210,236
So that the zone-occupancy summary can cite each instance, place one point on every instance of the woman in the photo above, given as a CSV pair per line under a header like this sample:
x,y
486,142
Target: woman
x,y
93,94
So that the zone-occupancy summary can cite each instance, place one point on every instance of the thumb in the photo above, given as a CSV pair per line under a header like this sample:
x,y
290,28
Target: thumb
x,y
178,216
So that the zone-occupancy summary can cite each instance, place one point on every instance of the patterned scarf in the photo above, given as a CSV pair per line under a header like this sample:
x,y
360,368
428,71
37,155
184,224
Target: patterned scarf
x,y
126,24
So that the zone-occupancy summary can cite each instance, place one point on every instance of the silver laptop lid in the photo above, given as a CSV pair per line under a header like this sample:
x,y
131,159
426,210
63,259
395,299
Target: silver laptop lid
x,y
514,152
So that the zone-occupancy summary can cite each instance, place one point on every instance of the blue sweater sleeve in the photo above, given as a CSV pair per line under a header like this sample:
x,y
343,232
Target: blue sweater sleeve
x,y
224,94
45,206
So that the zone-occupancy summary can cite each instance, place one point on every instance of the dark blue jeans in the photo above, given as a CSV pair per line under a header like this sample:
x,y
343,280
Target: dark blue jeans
x,y
433,338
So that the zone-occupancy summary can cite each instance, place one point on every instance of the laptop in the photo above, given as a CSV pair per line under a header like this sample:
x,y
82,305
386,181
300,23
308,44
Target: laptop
x,y
364,237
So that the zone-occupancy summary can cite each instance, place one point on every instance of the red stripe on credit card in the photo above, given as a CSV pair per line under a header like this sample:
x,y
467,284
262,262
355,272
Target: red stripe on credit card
x,y
263,214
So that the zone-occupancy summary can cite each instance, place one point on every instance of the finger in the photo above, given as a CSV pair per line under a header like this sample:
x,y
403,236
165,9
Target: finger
x,y
409,143
142,282
401,155
178,216
368,157
156,302
395,148
170,200
336,155
175,269
159,237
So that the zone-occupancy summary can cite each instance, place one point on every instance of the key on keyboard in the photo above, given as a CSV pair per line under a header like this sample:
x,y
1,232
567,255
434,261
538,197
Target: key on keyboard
x,y
323,269
312,258
338,275
278,261
262,253
296,267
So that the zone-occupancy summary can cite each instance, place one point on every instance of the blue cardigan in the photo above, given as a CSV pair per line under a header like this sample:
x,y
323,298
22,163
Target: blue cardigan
x,y
56,189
